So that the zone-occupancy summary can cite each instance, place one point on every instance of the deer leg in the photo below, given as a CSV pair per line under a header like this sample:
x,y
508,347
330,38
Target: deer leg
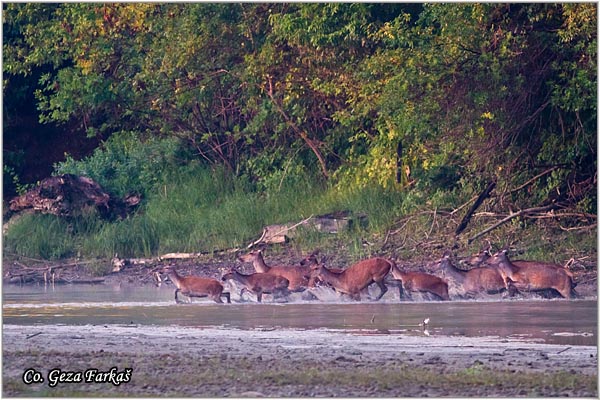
x,y
444,295
566,293
285,294
227,297
383,289
574,293
400,290
176,299
512,289
353,296
437,296
259,296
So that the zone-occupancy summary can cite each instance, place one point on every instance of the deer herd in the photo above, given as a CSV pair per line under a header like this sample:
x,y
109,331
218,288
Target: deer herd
x,y
490,274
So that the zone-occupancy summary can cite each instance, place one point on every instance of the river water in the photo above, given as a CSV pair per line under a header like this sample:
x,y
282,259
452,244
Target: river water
x,y
567,322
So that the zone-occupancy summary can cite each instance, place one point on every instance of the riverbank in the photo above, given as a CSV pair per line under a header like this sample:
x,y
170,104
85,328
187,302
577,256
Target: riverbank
x,y
215,265
211,362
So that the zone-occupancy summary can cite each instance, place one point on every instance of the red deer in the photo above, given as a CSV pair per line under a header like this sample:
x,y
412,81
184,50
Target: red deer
x,y
485,255
314,281
195,286
477,280
259,283
479,258
534,276
297,276
420,282
306,265
354,279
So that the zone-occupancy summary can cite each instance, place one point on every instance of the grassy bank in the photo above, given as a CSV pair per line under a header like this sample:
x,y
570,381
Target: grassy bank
x,y
198,209
190,207
202,210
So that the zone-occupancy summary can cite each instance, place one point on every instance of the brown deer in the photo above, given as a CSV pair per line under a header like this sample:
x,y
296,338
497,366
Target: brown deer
x,y
259,283
314,281
420,282
533,276
306,265
477,280
297,276
483,256
195,286
354,279
478,259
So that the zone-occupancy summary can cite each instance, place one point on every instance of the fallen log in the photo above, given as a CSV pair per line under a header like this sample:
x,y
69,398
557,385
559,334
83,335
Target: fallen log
x,y
120,263
282,233
272,234
90,281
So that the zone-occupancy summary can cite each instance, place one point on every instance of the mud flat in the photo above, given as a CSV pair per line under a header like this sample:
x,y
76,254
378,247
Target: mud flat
x,y
214,362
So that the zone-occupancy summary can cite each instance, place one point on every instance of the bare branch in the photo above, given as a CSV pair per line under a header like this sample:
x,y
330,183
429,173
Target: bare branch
x,y
533,179
514,215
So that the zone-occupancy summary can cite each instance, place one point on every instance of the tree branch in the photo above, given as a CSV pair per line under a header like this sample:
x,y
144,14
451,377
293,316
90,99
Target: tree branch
x,y
533,179
298,131
480,199
514,215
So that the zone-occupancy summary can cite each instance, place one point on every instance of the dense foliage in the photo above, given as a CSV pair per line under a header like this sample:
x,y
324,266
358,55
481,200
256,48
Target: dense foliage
x,y
473,92
426,99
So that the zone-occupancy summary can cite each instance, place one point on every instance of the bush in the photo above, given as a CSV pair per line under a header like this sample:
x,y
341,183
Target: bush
x,y
127,162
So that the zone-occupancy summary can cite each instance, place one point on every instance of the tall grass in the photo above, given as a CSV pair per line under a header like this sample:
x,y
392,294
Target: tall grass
x,y
40,236
189,207
198,209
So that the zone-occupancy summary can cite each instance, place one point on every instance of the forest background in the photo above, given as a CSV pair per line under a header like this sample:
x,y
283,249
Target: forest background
x,y
229,117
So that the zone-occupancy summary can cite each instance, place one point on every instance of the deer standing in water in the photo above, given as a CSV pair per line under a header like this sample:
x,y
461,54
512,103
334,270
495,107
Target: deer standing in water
x,y
474,281
485,255
533,277
296,276
195,286
259,283
420,282
354,279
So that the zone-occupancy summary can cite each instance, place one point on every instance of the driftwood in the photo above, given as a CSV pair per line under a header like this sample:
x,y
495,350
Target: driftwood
x,y
330,223
120,263
47,274
69,195
33,277
274,234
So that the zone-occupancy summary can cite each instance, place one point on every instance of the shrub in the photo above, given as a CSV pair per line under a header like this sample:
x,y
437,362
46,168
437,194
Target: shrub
x,y
127,162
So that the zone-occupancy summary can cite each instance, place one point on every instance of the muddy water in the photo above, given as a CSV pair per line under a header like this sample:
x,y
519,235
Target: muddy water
x,y
548,321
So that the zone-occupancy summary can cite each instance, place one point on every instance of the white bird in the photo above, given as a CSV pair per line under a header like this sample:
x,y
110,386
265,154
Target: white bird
x,y
425,322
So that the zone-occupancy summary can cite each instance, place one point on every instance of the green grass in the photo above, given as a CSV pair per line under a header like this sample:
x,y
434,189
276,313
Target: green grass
x,y
40,236
196,209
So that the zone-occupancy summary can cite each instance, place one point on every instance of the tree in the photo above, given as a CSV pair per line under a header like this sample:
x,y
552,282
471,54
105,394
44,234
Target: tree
x,y
478,93
471,93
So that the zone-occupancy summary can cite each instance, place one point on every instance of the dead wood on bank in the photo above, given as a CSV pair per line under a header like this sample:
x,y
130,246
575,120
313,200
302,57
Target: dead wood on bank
x,y
271,234
49,274
70,195
484,195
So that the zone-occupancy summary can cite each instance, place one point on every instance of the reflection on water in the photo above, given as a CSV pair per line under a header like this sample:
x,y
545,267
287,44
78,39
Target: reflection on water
x,y
551,321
